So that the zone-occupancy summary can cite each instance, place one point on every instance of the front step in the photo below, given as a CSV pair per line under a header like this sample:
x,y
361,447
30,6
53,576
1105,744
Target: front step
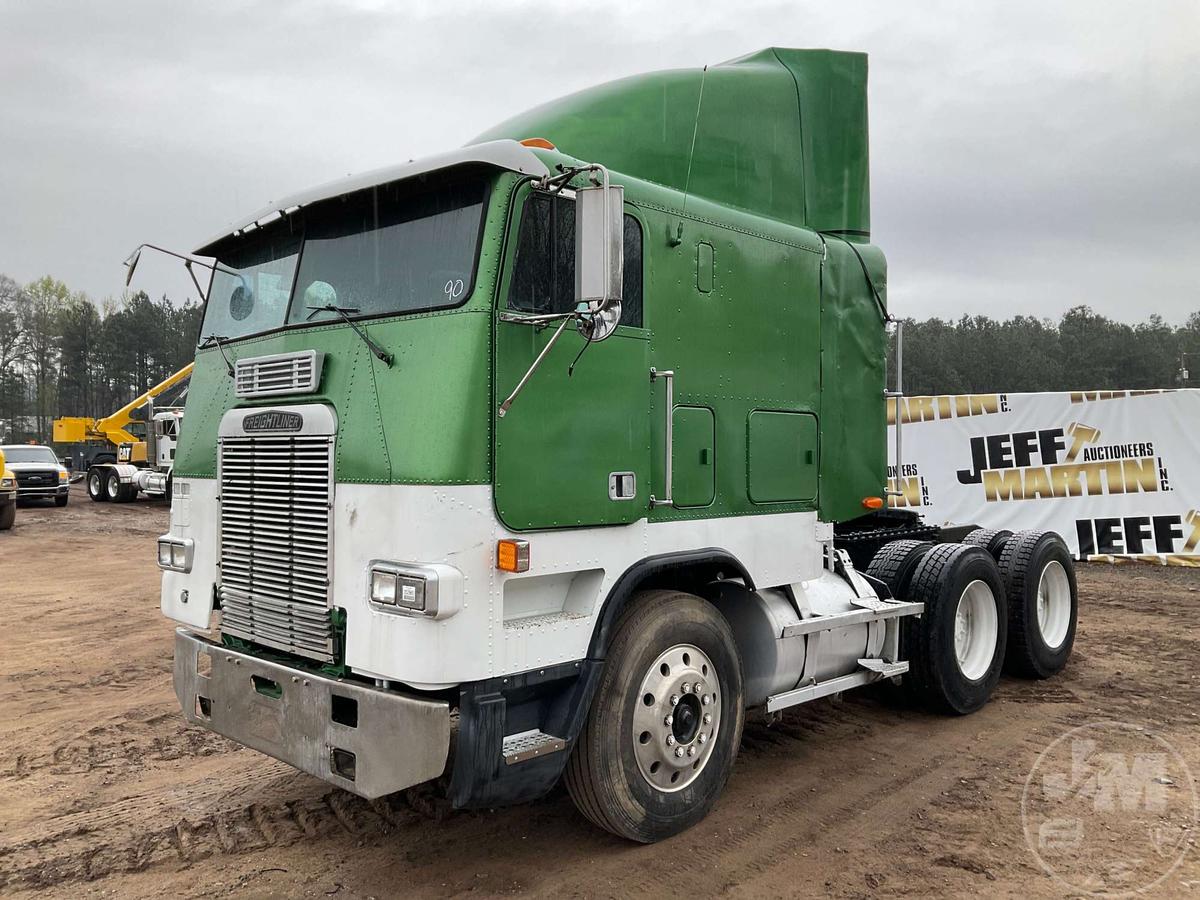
x,y
525,745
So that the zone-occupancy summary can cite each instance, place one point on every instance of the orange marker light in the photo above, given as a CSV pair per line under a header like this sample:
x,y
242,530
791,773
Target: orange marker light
x,y
873,502
539,143
512,556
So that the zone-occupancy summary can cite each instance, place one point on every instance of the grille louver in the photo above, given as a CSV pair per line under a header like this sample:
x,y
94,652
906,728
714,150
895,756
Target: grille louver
x,y
275,542
282,373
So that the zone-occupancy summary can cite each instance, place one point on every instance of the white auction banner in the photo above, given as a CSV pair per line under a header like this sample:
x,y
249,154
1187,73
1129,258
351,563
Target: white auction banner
x,y
1116,473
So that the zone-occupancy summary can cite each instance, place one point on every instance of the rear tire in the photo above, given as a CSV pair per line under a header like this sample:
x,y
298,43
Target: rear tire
x,y
956,649
1043,603
643,767
8,515
113,489
991,539
96,485
895,562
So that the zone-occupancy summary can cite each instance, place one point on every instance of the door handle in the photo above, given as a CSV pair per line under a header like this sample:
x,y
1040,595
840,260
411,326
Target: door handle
x,y
669,377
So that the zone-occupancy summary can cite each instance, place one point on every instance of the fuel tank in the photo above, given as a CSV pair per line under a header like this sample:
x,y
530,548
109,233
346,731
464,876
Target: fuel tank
x,y
772,664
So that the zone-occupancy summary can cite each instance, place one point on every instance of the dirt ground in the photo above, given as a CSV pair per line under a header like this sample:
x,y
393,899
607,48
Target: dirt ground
x,y
105,790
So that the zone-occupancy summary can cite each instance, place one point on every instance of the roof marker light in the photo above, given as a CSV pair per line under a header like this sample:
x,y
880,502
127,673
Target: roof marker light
x,y
538,143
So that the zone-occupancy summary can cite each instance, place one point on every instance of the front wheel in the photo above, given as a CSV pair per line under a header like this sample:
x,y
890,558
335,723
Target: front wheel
x,y
62,499
8,515
664,727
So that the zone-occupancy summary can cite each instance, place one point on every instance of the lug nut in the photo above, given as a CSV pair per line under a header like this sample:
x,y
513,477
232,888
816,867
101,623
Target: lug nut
x,y
669,721
708,718
691,751
679,752
670,740
698,687
674,699
685,687
705,699
703,738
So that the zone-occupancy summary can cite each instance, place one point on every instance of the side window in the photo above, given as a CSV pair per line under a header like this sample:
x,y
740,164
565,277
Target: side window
x,y
544,271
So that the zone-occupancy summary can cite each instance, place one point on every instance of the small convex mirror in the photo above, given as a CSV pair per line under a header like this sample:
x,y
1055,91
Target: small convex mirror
x,y
599,258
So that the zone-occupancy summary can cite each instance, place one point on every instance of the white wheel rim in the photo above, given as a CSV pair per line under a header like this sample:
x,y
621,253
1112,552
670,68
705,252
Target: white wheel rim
x,y
976,628
676,718
114,487
1054,605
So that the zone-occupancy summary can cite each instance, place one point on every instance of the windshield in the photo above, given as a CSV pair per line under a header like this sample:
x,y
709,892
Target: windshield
x,y
397,248
22,454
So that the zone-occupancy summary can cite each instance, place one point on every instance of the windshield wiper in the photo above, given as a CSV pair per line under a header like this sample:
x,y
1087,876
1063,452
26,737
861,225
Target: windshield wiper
x,y
344,311
218,340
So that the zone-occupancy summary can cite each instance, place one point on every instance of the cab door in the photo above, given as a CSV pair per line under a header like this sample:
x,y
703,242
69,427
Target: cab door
x,y
573,450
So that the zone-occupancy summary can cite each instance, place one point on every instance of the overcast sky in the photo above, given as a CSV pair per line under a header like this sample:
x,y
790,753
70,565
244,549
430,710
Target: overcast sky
x,y
1025,157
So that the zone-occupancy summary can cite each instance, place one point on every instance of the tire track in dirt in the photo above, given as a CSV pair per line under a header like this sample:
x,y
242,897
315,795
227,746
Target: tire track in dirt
x,y
129,837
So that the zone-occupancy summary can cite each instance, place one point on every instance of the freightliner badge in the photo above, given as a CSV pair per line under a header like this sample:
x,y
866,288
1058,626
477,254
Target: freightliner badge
x,y
273,420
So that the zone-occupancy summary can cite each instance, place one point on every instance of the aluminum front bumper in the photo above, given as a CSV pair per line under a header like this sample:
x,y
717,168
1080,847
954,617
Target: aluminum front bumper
x,y
380,742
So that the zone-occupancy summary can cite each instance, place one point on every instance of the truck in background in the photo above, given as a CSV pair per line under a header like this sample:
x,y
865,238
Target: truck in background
x,y
566,448
39,474
117,463
8,495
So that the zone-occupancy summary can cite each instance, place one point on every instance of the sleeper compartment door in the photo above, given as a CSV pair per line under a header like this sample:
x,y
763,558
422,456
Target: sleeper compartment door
x,y
572,451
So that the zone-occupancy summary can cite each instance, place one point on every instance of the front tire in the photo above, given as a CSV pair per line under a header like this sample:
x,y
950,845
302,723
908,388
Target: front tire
x,y
665,724
8,515
956,648
61,500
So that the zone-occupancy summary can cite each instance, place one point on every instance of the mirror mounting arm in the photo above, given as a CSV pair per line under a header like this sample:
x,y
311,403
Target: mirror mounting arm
x,y
503,410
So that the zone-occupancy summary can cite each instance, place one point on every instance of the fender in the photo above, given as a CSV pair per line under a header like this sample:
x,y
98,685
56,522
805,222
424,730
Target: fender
x,y
700,566
555,699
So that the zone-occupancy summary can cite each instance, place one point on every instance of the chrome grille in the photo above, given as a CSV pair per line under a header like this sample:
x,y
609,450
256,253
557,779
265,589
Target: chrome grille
x,y
276,493
282,373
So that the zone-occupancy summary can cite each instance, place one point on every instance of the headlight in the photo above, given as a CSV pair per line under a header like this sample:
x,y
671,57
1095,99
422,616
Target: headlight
x,y
383,588
410,589
62,475
8,482
175,554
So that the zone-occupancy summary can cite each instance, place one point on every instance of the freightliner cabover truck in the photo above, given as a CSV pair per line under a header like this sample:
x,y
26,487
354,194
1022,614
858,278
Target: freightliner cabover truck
x,y
550,456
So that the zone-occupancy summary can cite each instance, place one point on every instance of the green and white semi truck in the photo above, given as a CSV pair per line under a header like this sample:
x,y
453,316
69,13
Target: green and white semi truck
x,y
423,530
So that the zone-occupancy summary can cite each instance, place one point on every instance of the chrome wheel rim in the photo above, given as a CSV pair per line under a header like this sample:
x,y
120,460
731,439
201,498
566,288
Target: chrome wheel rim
x,y
676,718
94,485
114,487
976,628
1054,605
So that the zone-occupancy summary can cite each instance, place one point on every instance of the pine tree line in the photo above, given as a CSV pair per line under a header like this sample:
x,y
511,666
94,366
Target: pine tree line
x,y
1081,351
63,355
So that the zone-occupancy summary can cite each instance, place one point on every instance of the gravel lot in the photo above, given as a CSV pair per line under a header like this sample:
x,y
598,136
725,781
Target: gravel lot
x,y
104,788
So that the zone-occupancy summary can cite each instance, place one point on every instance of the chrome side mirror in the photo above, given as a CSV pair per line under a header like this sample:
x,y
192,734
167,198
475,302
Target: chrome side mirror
x,y
599,257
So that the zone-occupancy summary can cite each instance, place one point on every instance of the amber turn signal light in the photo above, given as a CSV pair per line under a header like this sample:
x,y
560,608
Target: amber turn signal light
x,y
539,143
512,556
872,502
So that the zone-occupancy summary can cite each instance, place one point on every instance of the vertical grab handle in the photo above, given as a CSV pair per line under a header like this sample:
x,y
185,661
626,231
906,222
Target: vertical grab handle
x,y
896,396
669,377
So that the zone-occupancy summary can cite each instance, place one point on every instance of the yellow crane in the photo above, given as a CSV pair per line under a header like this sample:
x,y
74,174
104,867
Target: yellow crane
x,y
97,440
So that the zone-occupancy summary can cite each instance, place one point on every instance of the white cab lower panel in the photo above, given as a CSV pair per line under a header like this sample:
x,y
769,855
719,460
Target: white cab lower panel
x,y
188,598
510,623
